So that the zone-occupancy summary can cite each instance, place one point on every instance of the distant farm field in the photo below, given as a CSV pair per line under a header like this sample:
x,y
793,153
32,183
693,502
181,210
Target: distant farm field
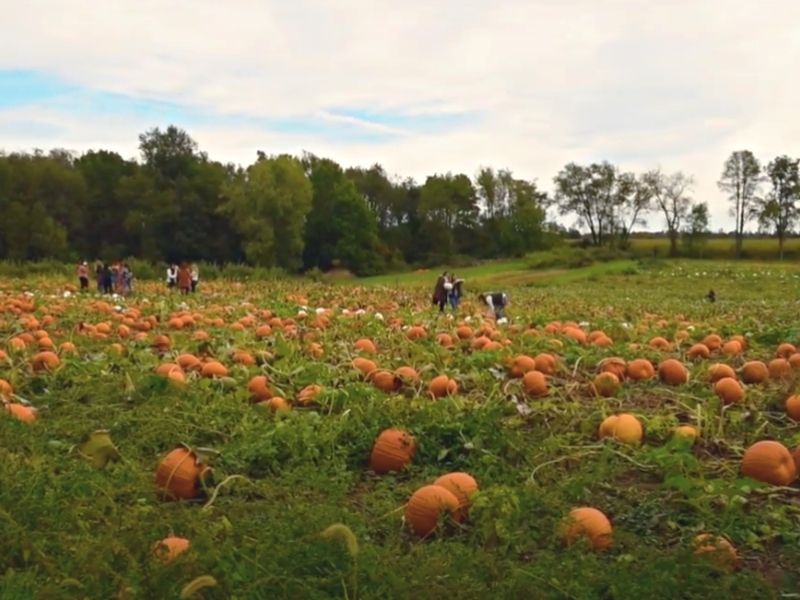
x,y
758,248
596,394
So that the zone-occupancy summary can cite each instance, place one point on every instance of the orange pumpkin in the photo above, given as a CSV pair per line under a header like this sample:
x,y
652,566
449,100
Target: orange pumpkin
x,y
26,414
521,365
779,368
720,371
45,361
698,351
793,407
181,475
441,386
365,366
6,389
276,404
755,371
214,368
672,372
169,549
606,384
259,388
659,343
713,341
729,391
407,375
416,333
546,363
365,345
769,462
393,451
427,505
385,381
785,350
535,384
462,485
464,332
624,428
614,364
589,524
640,369
688,432
308,394
732,348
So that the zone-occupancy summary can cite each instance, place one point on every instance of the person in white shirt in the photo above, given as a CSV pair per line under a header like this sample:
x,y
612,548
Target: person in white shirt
x,y
195,274
172,276
497,302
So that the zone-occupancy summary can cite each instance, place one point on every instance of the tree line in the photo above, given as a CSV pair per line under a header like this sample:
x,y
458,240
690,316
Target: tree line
x,y
299,213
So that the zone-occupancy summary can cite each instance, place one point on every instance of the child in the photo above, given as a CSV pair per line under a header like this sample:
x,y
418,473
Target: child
x,y
454,296
497,302
83,276
441,290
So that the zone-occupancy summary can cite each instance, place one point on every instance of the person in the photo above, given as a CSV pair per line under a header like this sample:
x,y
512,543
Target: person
x,y
440,291
712,297
98,273
497,302
184,279
83,275
454,297
172,276
108,280
119,279
127,279
195,277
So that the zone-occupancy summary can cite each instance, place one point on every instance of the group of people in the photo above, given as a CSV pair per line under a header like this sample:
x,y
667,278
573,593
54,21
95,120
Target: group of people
x,y
110,279
185,277
449,289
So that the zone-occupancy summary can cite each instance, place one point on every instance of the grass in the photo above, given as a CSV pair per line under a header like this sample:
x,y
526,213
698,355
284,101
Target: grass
x,y
71,530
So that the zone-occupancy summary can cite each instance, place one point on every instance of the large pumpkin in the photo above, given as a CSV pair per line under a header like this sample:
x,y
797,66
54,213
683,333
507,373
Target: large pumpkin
x,y
393,451
624,428
672,372
462,485
427,505
589,524
769,462
181,475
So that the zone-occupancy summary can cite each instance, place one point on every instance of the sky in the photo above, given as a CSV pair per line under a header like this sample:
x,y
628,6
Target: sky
x,y
420,86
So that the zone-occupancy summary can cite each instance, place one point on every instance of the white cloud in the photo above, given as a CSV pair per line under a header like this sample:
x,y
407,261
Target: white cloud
x,y
678,84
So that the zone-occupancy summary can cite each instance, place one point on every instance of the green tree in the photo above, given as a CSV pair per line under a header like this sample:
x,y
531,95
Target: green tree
x,y
696,228
268,204
449,211
633,197
779,210
589,192
741,177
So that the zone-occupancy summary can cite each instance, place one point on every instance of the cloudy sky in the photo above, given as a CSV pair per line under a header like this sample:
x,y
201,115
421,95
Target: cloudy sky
x,y
420,86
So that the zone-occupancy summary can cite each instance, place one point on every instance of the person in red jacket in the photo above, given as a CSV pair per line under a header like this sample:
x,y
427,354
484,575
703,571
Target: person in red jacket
x,y
184,279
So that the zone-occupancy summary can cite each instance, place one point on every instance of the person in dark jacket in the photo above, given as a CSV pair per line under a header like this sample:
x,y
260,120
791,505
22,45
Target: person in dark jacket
x,y
441,290
454,296
108,280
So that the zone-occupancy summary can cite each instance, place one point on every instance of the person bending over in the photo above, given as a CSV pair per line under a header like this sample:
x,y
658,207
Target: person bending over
x,y
497,302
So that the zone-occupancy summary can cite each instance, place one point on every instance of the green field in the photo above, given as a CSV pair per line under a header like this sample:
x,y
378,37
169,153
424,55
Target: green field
x,y
758,248
72,529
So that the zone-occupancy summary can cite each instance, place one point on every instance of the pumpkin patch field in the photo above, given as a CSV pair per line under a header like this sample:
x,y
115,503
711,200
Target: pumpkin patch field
x,y
619,437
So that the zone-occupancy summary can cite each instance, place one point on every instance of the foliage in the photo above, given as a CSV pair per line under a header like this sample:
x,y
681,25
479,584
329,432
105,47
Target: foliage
x,y
741,178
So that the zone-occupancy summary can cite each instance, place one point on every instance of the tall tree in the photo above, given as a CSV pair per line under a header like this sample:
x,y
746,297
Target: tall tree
x,y
741,177
696,226
779,210
268,204
633,197
590,193
671,196
449,210
170,153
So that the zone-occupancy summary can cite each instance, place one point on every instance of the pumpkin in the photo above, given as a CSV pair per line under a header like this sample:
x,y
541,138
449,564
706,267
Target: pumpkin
x,y
6,389
576,334
755,371
698,351
794,360
713,341
640,369
785,350
386,381
393,451
214,368
719,549
672,372
416,333
793,407
624,428
606,384
26,414
407,375
546,363
276,404
589,524
462,485
427,505
365,365
243,358
189,362
729,391
181,475
45,361
308,394
464,332
445,340
720,371
164,369
259,388
732,348
162,343
365,345
688,432
779,368
659,343
614,364
441,386
769,462
535,383
521,365
170,548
